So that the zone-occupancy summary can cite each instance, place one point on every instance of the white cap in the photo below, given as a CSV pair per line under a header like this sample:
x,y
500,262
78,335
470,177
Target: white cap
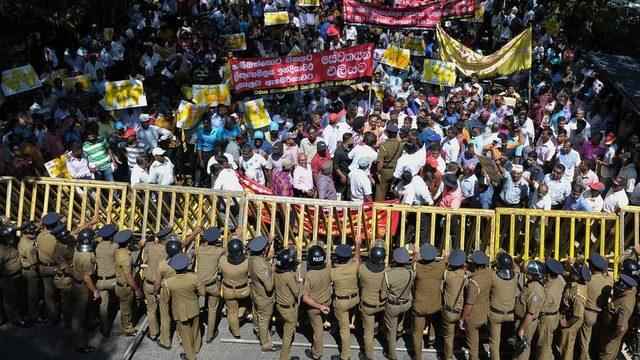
x,y
517,168
157,152
145,117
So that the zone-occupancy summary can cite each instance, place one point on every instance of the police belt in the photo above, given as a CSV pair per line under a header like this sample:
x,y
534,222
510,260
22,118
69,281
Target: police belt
x,y
593,310
348,297
452,310
14,274
500,312
122,285
287,306
149,282
211,282
397,302
543,314
102,278
371,306
235,287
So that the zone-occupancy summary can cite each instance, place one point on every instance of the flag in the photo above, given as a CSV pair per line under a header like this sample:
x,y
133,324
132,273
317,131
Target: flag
x,y
212,95
512,57
397,57
276,18
188,115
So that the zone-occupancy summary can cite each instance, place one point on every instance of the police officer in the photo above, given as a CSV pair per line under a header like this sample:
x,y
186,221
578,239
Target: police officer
x,y
530,304
388,155
598,290
46,244
184,290
427,303
172,247
619,313
317,297
344,276
84,265
65,247
550,317
262,294
234,268
373,295
10,276
208,255
29,261
152,254
126,287
398,282
502,301
106,274
455,281
572,309
288,285
477,299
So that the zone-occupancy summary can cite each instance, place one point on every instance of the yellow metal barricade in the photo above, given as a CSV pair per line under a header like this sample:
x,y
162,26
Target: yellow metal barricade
x,y
559,234
630,226
446,229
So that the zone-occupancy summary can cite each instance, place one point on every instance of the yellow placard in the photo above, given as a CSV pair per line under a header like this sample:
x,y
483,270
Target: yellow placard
x,y
84,81
396,57
188,114
212,95
414,44
57,167
439,72
20,79
123,94
256,114
308,3
276,18
235,42
108,34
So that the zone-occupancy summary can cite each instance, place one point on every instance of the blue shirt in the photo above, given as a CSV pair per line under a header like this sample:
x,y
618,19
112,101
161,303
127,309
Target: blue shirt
x,y
485,198
452,119
222,134
205,140
576,204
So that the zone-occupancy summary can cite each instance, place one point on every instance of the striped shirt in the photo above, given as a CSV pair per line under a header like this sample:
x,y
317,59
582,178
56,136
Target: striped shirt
x,y
97,154
133,152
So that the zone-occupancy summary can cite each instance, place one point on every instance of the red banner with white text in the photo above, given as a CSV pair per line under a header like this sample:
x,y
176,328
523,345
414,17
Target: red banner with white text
x,y
421,14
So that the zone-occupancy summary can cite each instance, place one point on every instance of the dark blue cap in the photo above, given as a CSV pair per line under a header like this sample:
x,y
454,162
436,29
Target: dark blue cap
x,y
343,251
598,262
456,258
628,281
428,252
433,137
123,237
212,235
554,266
58,229
50,219
401,256
585,273
479,258
107,230
258,244
392,128
179,262
163,232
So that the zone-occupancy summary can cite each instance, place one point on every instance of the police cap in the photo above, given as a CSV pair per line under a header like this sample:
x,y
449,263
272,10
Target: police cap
x,y
598,262
554,266
212,235
123,237
107,231
258,244
343,251
456,258
179,262
428,252
50,219
401,256
479,258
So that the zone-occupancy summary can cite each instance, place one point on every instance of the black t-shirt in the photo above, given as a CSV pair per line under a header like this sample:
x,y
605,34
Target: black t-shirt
x,y
341,160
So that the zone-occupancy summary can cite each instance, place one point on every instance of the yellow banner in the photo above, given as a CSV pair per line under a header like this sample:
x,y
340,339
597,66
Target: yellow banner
x,y
57,167
308,3
256,114
235,42
84,81
414,44
396,57
512,57
188,114
439,72
212,95
276,18
20,79
123,94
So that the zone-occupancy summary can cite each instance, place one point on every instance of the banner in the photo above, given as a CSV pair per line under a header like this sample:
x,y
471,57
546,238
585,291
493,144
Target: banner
x,y
458,9
512,57
19,80
57,167
439,73
397,57
235,42
414,44
84,81
420,17
308,3
256,114
123,94
287,71
188,114
212,95
276,18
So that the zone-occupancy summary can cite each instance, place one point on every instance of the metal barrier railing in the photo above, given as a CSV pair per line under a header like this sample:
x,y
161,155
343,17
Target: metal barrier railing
x,y
630,226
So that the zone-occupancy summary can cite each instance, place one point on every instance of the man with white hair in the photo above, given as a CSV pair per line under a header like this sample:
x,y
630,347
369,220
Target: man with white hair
x,y
515,188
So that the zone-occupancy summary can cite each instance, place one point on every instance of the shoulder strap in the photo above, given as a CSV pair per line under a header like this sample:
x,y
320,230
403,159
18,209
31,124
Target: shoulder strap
x,y
465,280
406,287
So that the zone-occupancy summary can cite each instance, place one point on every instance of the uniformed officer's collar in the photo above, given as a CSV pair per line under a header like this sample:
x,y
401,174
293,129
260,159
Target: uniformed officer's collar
x,y
376,268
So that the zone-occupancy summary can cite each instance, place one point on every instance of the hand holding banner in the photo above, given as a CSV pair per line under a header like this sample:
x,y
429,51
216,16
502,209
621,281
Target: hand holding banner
x,y
276,18
439,73
212,95
188,115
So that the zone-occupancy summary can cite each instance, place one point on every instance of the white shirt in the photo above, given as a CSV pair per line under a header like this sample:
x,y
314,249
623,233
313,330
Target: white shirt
x,y
227,180
596,202
212,161
558,189
615,201
303,178
541,203
529,132
450,150
139,175
416,192
333,133
570,160
161,173
253,168
79,168
468,186
545,151
90,69
360,184
149,63
362,152
412,162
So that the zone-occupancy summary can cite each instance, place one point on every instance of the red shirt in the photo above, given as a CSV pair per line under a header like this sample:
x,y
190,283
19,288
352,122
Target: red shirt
x,y
317,162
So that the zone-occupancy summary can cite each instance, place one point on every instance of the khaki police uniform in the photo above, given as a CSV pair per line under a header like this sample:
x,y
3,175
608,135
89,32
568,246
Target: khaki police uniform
x,y
152,254
477,295
124,292
164,272
501,310
373,296
549,317
453,285
235,288
598,290
317,285
288,287
29,262
531,301
10,272
184,290
427,302
62,279
345,287
617,319
262,297
572,311
46,244
106,280
207,271
398,282
84,264
388,153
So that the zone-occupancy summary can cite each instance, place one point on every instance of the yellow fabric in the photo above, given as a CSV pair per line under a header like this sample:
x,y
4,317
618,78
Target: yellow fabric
x,y
512,57
397,57
212,95
123,95
439,72
276,18
235,42
188,115
256,114
19,79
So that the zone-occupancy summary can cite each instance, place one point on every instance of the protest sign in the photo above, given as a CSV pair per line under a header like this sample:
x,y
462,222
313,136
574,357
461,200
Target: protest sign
x,y
420,17
397,57
256,114
123,94
308,3
20,79
188,114
276,18
414,44
439,72
84,81
212,95
57,167
235,42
